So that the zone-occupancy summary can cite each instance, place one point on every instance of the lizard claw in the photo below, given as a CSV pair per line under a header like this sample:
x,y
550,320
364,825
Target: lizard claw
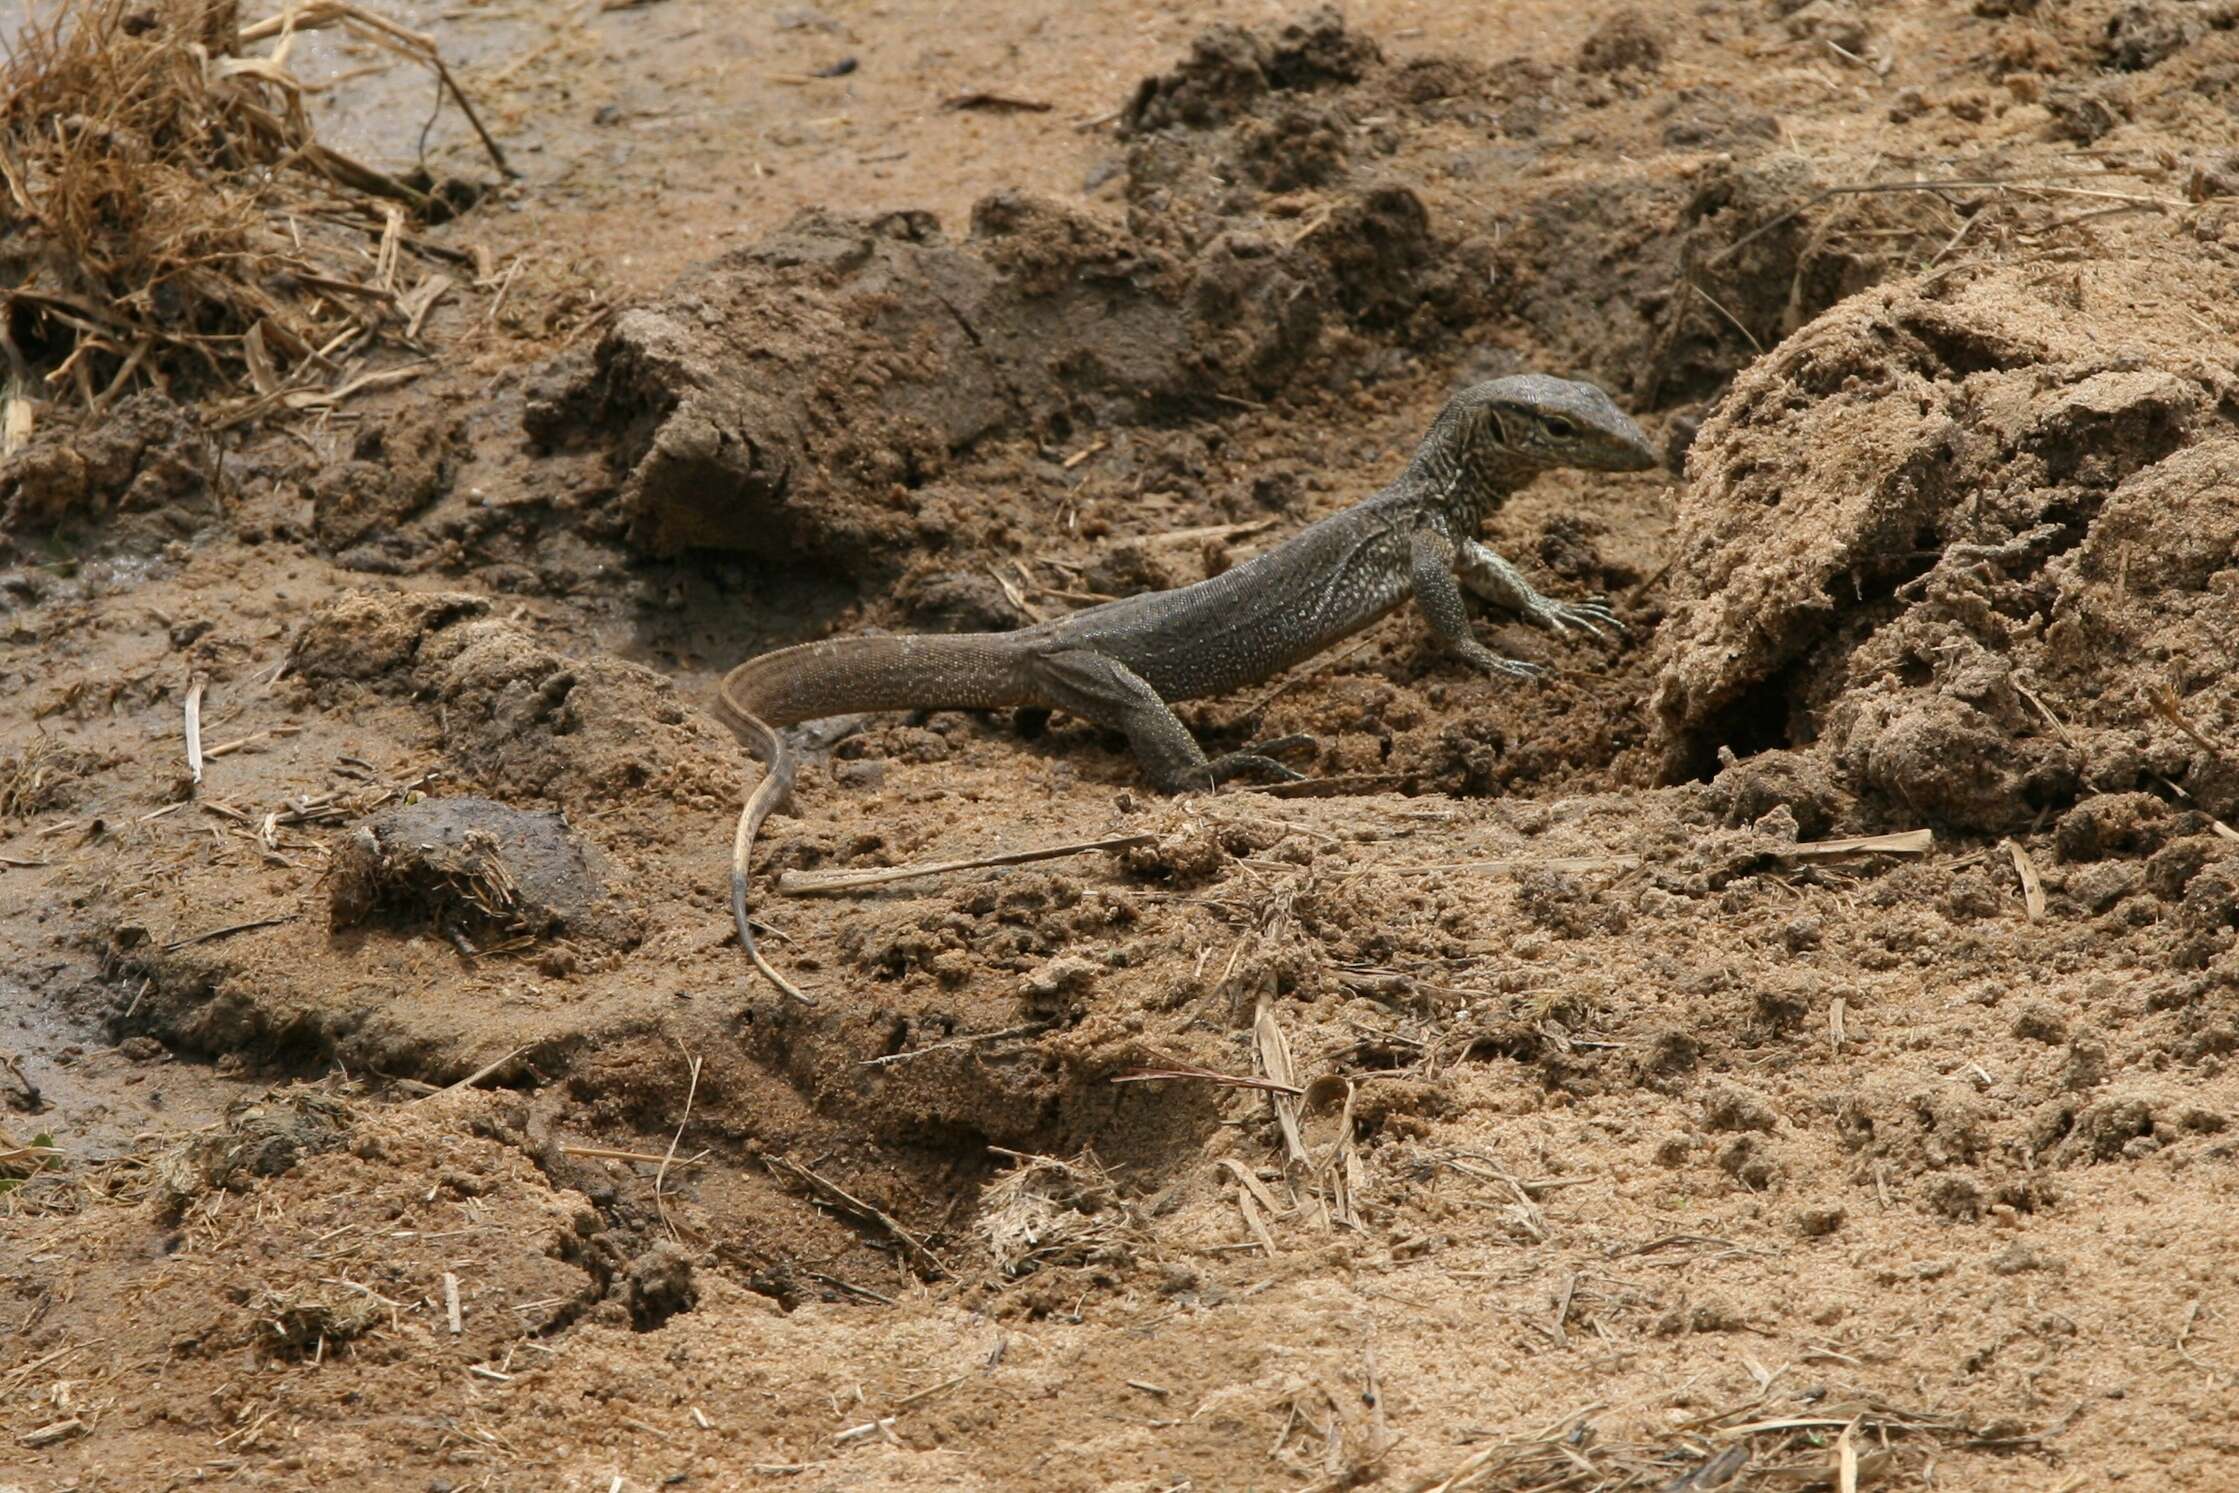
x,y
1592,616
1479,656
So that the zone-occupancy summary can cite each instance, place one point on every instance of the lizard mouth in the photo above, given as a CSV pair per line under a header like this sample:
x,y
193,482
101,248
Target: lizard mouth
x,y
1629,451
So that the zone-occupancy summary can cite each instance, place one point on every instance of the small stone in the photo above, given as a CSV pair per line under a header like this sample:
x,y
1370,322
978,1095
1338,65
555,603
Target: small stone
x,y
2099,887
1820,1221
2016,1258
2041,1021
1063,975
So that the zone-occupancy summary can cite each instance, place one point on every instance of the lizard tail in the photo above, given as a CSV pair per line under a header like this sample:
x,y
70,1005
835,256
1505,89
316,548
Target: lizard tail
x,y
841,676
848,676
777,782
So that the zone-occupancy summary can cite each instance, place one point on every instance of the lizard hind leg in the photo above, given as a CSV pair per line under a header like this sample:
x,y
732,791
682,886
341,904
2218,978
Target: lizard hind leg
x,y
1099,688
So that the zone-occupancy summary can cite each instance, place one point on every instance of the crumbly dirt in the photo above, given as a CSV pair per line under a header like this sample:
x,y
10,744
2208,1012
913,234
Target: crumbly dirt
x,y
1643,1137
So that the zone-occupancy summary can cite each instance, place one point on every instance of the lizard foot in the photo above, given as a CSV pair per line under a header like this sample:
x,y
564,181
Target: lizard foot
x,y
1562,616
1515,668
1278,744
1258,758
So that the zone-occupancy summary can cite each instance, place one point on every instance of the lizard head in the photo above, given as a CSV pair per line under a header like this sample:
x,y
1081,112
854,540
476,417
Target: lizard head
x,y
1552,422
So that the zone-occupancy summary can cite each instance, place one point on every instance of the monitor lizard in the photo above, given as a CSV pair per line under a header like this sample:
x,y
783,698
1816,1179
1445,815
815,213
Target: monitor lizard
x,y
1122,663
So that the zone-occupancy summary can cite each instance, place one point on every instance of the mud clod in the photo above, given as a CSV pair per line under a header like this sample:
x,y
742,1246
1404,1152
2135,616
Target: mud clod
x,y
2146,33
1229,68
474,870
1625,41
1891,625
148,457
1731,1107
266,1137
395,470
658,1285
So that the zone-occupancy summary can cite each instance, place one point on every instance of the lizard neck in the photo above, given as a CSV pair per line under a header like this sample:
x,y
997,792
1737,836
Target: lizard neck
x,y
1461,480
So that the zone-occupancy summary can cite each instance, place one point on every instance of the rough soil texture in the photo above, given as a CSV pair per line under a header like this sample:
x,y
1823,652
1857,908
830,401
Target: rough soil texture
x,y
1964,535
1641,1139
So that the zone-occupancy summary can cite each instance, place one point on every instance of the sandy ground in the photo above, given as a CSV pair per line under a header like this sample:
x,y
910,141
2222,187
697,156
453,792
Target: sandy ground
x,y
1652,1131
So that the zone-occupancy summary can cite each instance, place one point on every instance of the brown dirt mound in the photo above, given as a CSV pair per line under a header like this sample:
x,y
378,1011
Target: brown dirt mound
x,y
797,396
1973,537
517,717
822,392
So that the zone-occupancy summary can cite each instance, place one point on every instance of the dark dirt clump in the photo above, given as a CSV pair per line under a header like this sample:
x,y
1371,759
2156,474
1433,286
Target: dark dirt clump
x,y
473,869
1229,69
395,470
265,1137
147,460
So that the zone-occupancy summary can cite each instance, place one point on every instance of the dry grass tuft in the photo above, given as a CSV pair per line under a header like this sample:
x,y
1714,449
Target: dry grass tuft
x,y
306,1323
167,212
263,1137
33,780
1045,1212
1802,1439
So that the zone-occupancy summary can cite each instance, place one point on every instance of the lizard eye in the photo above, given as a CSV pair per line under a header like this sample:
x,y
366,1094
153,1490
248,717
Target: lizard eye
x,y
1558,427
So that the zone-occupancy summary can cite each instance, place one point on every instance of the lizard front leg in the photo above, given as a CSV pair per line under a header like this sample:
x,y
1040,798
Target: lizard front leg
x,y
1500,584
1439,599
